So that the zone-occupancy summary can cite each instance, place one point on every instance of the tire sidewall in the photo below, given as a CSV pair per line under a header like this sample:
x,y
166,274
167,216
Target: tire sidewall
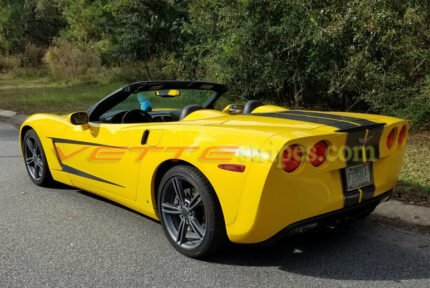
x,y
204,189
45,171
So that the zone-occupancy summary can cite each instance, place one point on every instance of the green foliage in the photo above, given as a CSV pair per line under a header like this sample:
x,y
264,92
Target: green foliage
x,y
362,55
143,29
28,21
359,55
65,60
9,63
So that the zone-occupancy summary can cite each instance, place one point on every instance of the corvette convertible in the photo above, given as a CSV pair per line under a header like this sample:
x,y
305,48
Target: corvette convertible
x,y
245,173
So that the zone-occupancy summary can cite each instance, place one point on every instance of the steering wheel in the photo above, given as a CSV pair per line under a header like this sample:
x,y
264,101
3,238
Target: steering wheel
x,y
136,116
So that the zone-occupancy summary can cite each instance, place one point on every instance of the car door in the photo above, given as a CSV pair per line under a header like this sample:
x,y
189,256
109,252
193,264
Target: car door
x,y
102,157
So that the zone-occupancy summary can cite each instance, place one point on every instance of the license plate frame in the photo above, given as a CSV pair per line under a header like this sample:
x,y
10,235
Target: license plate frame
x,y
358,176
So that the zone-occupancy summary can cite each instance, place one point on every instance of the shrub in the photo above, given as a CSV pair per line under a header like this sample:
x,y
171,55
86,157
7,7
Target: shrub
x,y
65,60
33,55
418,108
9,63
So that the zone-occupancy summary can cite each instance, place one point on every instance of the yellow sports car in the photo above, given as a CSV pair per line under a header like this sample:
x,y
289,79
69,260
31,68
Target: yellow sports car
x,y
245,174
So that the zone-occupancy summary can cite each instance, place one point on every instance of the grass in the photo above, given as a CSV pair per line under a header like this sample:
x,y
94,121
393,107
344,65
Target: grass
x,y
414,182
40,94
29,95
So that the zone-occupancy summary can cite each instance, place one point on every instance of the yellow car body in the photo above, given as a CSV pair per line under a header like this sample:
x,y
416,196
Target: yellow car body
x,y
116,162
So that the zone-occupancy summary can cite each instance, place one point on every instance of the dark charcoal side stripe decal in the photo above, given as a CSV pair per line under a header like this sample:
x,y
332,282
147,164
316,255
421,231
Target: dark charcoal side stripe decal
x,y
68,141
80,173
341,125
74,171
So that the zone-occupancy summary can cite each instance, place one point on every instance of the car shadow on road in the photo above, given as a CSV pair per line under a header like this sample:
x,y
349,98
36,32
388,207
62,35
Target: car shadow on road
x,y
357,252
349,253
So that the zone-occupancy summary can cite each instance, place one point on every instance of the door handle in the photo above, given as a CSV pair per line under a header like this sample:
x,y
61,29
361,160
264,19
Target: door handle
x,y
145,137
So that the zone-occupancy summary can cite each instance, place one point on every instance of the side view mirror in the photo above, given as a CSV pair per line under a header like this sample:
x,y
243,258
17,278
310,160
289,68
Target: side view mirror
x,y
79,118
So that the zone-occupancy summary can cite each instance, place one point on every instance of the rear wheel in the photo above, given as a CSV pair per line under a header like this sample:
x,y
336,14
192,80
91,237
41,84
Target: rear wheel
x,y
35,159
190,213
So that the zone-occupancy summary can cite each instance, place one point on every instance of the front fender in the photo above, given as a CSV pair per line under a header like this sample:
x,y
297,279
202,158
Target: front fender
x,y
47,126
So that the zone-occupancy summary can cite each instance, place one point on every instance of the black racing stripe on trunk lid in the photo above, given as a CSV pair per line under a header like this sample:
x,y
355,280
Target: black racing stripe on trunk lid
x,y
360,121
342,123
290,115
362,143
373,140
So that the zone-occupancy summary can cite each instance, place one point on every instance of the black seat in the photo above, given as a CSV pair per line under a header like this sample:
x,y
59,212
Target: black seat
x,y
187,110
251,105
136,116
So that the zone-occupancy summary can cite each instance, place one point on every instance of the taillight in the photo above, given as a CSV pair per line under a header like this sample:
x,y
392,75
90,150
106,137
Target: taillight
x,y
291,158
318,153
402,135
391,137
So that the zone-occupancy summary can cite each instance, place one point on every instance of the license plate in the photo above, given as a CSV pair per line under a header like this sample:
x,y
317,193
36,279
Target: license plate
x,y
358,176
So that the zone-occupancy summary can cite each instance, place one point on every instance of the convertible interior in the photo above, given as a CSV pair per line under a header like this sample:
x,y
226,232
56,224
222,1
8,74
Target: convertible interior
x,y
170,115
140,116
143,102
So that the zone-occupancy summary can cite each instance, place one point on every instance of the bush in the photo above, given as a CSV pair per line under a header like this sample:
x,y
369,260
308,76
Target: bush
x,y
418,108
9,63
360,55
33,56
65,60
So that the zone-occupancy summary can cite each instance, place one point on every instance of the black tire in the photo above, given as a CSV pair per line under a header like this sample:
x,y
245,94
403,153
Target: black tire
x,y
38,168
205,216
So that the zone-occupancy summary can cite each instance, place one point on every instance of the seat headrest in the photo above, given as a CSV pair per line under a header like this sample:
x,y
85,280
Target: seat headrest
x,y
189,109
251,105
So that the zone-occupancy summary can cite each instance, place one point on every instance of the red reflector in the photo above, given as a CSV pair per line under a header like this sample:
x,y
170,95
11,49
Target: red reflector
x,y
390,138
232,167
402,135
318,154
291,158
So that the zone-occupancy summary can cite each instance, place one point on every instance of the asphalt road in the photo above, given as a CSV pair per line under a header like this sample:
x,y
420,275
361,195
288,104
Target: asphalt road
x,y
67,238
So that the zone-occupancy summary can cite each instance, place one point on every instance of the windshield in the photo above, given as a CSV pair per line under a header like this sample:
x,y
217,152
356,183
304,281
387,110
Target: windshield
x,y
163,102
158,100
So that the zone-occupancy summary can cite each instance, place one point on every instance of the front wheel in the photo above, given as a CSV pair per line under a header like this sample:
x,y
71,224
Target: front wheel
x,y
190,212
35,159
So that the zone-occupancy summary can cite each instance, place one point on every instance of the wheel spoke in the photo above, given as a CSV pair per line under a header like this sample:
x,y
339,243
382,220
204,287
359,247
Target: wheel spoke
x,y
170,209
195,202
177,186
30,145
36,171
196,227
39,163
30,160
182,231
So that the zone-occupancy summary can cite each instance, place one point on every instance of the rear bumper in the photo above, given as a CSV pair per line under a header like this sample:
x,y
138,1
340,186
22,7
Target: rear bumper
x,y
332,218
287,198
335,217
